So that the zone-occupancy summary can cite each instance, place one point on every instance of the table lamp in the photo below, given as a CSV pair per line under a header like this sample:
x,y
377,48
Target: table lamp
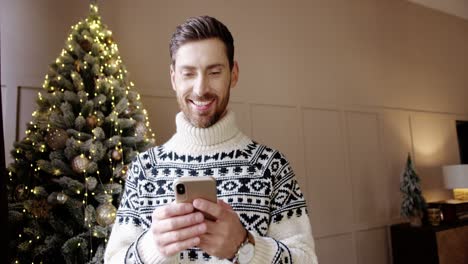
x,y
456,178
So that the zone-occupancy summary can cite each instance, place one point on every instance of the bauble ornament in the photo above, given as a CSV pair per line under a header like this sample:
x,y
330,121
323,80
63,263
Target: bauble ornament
x,y
39,208
57,138
62,198
109,40
80,164
86,45
116,154
105,214
91,121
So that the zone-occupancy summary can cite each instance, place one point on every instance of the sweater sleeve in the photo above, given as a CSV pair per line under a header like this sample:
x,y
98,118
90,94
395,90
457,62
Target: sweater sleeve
x,y
289,238
129,241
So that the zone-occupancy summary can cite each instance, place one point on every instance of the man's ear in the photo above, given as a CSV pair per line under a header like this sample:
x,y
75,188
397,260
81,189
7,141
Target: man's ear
x,y
172,73
234,74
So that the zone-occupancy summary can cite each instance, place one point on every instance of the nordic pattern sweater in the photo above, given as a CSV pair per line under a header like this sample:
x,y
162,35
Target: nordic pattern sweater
x,y
257,181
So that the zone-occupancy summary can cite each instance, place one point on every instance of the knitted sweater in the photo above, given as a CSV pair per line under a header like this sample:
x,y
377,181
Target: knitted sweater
x,y
257,181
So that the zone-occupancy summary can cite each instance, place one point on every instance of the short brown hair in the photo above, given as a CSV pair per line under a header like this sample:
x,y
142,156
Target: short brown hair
x,y
200,28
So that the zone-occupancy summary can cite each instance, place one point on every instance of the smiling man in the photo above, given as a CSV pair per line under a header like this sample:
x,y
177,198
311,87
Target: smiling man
x,y
202,79
261,215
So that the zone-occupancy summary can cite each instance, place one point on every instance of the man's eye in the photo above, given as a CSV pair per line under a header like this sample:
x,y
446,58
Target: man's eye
x,y
215,72
187,74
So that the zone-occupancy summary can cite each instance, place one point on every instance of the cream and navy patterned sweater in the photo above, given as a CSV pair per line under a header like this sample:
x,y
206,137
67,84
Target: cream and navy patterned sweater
x,y
255,180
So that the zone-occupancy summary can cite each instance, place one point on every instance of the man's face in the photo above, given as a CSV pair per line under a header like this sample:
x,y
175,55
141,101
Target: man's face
x,y
202,80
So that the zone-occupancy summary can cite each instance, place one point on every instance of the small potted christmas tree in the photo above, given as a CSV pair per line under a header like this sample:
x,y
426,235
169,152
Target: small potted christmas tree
x,y
413,204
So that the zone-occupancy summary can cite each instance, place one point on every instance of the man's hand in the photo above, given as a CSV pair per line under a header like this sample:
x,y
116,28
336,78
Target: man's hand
x,y
223,236
176,227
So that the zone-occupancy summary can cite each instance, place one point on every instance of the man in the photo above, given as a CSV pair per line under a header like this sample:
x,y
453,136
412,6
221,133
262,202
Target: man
x,y
261,215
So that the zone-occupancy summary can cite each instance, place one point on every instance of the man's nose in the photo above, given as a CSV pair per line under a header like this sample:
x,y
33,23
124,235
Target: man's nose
x,y
201,85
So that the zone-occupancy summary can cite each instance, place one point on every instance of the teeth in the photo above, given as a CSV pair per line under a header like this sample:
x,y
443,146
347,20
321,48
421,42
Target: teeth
x,y
200,103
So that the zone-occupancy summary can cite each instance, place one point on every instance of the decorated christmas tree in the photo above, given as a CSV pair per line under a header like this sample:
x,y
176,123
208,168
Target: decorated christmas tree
x,y
68,172
413,204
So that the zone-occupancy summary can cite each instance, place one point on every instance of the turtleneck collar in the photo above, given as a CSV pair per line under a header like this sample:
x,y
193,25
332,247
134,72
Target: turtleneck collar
x,y
222,134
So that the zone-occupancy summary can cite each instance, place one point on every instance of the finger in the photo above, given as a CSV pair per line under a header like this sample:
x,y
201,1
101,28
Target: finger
x,y
175,248
208,207
225,205
178,222
180,235
173,209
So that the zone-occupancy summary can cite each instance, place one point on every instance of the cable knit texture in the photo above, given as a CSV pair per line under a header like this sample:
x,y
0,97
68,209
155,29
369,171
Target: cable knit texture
x,y
257,181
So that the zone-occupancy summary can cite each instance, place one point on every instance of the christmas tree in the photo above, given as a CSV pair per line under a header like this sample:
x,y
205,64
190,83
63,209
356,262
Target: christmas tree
x,y
68,172
413,204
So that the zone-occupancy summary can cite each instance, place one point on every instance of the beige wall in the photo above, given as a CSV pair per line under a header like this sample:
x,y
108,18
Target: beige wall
x,y
344,88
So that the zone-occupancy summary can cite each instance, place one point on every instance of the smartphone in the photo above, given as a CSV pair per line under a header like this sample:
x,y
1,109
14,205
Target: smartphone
x,y
188,189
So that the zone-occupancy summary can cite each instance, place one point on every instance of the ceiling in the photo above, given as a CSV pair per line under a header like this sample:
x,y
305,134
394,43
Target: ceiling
x,y
457,8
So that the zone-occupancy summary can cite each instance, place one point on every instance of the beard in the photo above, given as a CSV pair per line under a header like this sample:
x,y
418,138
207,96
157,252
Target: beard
x,y
207,119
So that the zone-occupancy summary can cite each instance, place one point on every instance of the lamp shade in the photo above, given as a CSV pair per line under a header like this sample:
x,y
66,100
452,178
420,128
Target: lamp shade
x,y
455,176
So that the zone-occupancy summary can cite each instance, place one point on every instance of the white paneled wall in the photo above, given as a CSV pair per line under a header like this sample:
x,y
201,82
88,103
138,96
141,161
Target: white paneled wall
x,y
336,249
327,177
434,138
372,246
369,190
348,161
396,143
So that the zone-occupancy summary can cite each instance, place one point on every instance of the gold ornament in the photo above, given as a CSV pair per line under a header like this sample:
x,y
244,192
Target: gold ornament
x,y
116,154
109,40
91,183
57,138
105,214
123,172
91,121
80,164
86,45
62,198
140,129
39,208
